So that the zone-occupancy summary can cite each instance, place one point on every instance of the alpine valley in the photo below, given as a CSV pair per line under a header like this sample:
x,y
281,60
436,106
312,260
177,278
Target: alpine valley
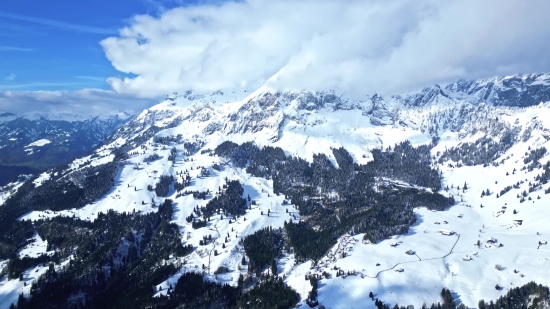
x,y
30,143
272,199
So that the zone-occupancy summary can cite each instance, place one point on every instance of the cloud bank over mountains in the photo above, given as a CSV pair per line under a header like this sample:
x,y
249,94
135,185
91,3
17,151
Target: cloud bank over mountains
x,y
85,102
356,47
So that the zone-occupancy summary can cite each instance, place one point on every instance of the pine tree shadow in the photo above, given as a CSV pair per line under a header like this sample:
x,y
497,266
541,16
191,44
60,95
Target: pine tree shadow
x,y
250,191
175,209
456,298
413,228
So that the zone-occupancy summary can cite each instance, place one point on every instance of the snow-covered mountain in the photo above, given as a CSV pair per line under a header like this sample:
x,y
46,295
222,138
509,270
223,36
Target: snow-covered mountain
x,y
41,141
517,90
485,150
268,116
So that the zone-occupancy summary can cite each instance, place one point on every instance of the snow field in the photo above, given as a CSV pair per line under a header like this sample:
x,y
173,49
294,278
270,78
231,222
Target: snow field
x,y
39,143
468,271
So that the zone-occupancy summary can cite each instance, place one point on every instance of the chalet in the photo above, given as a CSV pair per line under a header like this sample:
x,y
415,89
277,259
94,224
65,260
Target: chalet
x,y
437,223
492,240
446,232
543,242
410,252
461,216
445,222
467,258
400,270
518,222
394,245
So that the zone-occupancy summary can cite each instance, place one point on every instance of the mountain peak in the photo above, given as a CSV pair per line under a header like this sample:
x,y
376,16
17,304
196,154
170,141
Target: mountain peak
x,y
520,90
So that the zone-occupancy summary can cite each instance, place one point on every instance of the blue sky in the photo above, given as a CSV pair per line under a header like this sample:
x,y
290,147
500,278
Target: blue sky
x,y
54,45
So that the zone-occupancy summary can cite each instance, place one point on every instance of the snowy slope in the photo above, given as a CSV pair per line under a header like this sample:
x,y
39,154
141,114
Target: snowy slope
x,y
10,289
305,123
516,90
9,189
439,260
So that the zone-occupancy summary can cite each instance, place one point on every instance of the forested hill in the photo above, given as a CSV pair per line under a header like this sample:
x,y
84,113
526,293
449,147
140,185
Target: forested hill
x,y
11,173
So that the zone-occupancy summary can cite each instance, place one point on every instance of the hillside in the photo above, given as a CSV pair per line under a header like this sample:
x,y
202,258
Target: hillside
x,y
269,194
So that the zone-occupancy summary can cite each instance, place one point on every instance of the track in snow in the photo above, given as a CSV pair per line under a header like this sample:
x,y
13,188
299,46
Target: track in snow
x,y
419,260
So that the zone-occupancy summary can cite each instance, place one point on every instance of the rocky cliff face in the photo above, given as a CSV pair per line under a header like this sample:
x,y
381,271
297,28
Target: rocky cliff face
x,y
517,90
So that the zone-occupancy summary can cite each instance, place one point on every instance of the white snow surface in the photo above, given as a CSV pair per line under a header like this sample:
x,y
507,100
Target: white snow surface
x,y
39,143
35,248
9,189
440,260
41,178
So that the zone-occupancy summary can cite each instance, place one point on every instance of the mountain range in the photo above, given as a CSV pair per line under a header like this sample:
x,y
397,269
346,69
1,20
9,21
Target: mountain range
x,y
30,143
274,199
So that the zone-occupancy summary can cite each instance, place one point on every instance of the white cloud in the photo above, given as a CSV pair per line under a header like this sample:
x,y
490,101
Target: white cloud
x,y
11,77
355,46
85,102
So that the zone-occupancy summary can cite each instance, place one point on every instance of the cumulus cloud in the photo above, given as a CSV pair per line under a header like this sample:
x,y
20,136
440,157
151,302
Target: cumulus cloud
x,y
357,47
85,102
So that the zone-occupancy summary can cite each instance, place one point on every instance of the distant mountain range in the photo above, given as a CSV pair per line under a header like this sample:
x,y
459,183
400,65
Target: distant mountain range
x,y
33,143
